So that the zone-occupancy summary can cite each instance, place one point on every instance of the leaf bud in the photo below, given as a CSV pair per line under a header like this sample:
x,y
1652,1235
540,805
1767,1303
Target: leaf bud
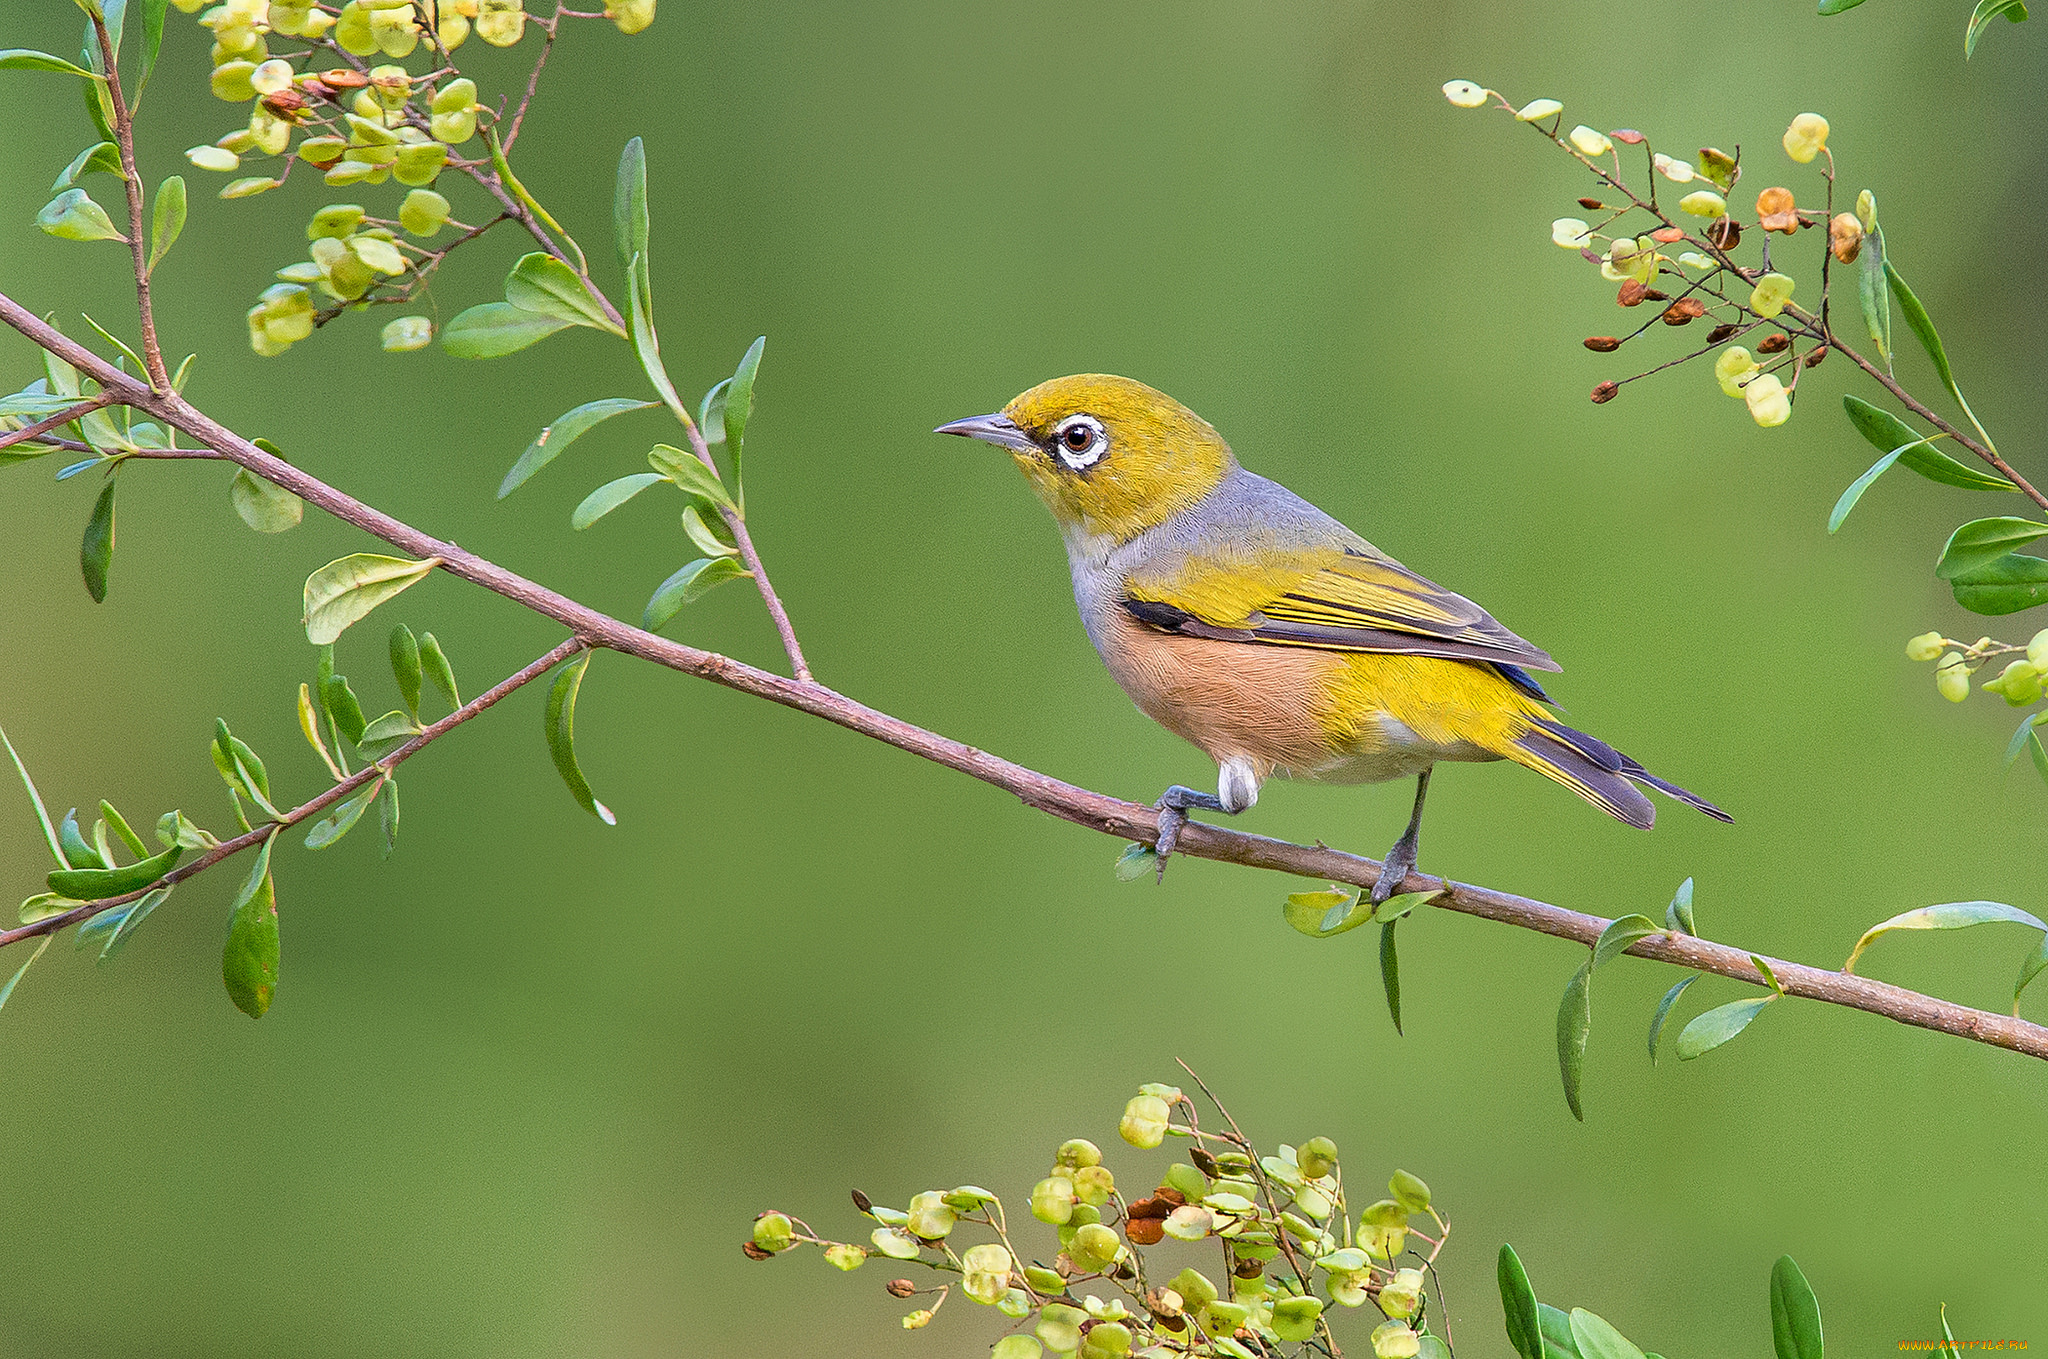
x,y
1777,342
1805,138
1592,205
1927,646
1144,1122
1952,678
1770,405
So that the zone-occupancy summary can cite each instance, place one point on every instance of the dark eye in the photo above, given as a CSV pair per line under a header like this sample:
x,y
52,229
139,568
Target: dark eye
x,y
1078,437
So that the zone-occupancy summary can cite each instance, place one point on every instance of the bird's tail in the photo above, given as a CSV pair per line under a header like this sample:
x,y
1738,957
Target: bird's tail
x,y
1599,773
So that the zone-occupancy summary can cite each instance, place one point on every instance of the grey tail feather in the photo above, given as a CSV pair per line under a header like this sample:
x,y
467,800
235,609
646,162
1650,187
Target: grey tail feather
x,y
1607,757
1557,753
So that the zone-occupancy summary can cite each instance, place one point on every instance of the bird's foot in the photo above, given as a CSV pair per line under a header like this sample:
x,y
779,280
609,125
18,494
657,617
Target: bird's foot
x,y
1174,804
1399,864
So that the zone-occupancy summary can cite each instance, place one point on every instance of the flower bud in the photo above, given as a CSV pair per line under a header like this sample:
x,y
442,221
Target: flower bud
x,y
1464,93
1805,138
1570,233
2018,684
1952,678
1704,203
1732,369
1052,1201
1769,404
1144,1122
1770,295
1866,209
1589,142
1537,108
1395,1340
1927,646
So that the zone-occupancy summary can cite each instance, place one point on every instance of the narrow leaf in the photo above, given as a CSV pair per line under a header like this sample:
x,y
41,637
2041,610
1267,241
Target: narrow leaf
x,y
1886,431
248,962
629,205
2011,583
686,586
96,548
309,723
152,35
1770,977
123,830
1922,325
1848,499
77,853
544,285
166,218
711,413
97,884
346,589
646,343
387,815
343,709
131,920
1954,915
405,667
688,472
36,799
265,507
342,816
26,59
707,534
1981,542
1557,1333
1664,1009
386,734
492,330
1986,11
563,432
1390,975
1518,1303
1710,1030
739,405
1621,933
7,991
1678,915
1795,1313
610,496
99,158
1837,6
560,725
439,673
1574,1025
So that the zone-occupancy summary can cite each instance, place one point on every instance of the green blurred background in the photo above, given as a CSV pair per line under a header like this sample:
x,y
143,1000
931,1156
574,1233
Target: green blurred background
x,y
526,1083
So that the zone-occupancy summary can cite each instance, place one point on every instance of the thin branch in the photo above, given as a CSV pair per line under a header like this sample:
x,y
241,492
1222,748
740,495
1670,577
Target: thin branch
x,y
48,423
533,81
227,849
131,180
1095,811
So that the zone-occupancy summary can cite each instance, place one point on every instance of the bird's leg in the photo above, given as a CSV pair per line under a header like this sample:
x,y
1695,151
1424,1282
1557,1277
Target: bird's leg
x,y
1173,814
1401,858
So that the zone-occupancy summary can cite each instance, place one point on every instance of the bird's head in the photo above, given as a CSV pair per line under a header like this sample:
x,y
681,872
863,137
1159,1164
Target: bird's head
x,y
1108,456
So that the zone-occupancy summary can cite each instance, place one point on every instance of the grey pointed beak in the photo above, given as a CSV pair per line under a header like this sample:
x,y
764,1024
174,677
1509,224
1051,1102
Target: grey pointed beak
x,y
997,429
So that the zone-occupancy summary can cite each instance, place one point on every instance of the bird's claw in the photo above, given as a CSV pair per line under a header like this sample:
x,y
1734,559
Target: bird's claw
x,y
1173,814
1400,862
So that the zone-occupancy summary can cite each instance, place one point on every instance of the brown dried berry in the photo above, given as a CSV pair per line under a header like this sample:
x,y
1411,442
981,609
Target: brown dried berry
x,y
1149,1207
901,1288
1627,134
1144,1231
862,1201
1602,344
1591,204
1845,237
1725,233
1632,292
1205,1163
1170,1196
1720,333
1249,1269
1775,343
1656,295
754,1252
287,103
317,89
1605,393
341,78
1813,360
1775,211
1684,311
1667,235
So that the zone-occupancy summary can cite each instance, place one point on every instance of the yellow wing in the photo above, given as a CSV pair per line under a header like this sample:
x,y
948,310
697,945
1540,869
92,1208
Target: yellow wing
x,y
1334,598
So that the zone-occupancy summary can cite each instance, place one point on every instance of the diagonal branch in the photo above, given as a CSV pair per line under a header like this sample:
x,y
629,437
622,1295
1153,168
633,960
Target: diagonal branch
x,y
1095,811
227,849
28,433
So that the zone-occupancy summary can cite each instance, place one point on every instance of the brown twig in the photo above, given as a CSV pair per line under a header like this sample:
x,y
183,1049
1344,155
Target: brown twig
x,y
227,849
1095,811
11,437
131,180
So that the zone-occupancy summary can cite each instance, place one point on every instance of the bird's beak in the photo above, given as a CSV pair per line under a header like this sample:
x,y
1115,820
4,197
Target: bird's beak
x,y
997,429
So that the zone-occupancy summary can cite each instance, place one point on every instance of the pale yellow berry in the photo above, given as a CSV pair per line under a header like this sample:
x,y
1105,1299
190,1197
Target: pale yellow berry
x,y
1704,203
1693,259
1952,678
1927,646
1770,295
1769,404
1805,138
1537,108
1589,142
1464,93
1401,1295
1395,1340
1733,368
1144,1122
1570,233
1677,171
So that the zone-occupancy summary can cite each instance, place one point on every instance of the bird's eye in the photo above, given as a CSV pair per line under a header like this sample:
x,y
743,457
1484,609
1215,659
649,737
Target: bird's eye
x,y
1078,437
1081,441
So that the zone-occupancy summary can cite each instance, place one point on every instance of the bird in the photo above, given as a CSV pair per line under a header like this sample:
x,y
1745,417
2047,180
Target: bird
x,y
1247,621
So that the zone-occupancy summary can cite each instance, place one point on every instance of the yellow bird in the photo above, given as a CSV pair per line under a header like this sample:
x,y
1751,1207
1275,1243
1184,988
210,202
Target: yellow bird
x,y
1245,620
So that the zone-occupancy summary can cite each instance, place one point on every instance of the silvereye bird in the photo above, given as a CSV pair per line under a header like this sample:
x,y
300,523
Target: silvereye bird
x,y
1244,619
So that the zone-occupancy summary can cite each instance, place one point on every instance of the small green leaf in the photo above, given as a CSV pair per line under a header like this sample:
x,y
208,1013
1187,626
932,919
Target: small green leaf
x,y
1574,1025
1953,915
131,920
439,673
7,991
1678,915
1848,499
629,205
1596,1339
610,496
1136,862
152,35
1986,11
563,432
346,589
248,963
688,472
1837,6
96,548
541,284
1795,1313
2011,583
707,534
1664,1009
99,158
97,884
492,330
1946,1333
123,830
646,343
1518,1303
1390,974
1320,915
387,815
166,218
36,799
687,586
1886,431
386,734
405,667
739,405
561,733
1710,1030
1981,542
343,709
1557,1333
1401,903
26,59
265,507
77,853
1922,325
711,413
342,816
240,767
73,216
1770,977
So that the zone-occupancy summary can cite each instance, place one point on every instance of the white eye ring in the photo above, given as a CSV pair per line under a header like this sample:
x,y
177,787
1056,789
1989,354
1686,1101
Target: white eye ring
x,y
1089,453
